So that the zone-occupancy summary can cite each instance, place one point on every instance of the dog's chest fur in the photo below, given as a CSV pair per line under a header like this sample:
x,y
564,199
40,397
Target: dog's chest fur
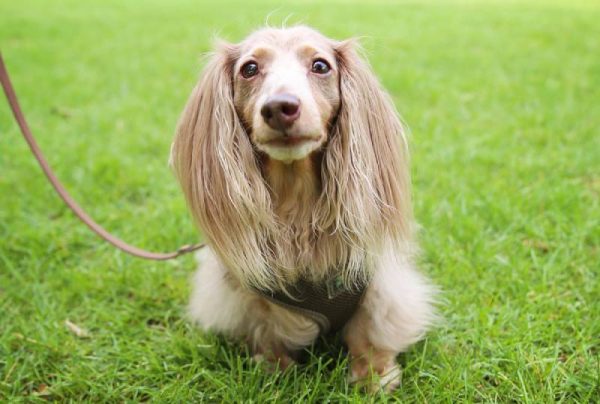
x,y
295,189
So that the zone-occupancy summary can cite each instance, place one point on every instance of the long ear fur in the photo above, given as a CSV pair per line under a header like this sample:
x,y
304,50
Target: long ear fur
x,y
366,193
215,164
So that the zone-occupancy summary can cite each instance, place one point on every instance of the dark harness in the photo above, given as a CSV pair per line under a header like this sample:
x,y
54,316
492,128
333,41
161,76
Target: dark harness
x,y
329,304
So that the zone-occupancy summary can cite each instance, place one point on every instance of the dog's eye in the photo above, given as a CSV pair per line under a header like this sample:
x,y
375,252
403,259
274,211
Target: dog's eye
x,y
320,66
249,69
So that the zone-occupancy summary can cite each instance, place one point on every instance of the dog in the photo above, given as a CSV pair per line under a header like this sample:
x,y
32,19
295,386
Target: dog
x,y
294,163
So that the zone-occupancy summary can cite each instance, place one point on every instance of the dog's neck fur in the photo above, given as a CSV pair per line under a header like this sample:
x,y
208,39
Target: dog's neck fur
x,y
295,188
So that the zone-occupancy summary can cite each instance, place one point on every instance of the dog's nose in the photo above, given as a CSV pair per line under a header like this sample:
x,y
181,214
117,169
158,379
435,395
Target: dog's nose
x,y
280,111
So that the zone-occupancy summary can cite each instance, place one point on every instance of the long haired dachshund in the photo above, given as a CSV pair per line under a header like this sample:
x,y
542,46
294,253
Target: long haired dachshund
x,y
294,163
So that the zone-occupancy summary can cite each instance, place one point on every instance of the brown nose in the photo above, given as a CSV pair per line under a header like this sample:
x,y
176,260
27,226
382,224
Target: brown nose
x,y
280,111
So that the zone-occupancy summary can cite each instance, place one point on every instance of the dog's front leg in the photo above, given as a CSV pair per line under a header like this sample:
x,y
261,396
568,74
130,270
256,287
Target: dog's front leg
x,y
370,366
220,304
396,311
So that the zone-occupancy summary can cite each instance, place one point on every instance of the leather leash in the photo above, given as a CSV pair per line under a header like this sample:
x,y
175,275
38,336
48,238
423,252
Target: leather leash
x,y
62,192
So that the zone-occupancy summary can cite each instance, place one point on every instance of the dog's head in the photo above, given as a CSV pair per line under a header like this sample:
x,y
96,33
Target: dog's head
x,y
287,94
286,90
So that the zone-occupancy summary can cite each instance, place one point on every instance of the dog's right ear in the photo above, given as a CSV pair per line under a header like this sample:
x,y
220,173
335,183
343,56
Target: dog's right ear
x,y
214,92
207,123
215,164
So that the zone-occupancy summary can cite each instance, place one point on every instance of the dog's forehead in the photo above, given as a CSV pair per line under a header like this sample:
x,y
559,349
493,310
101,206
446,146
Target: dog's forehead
x,y
286,38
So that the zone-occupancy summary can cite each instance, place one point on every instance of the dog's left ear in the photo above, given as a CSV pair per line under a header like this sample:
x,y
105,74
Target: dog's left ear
x,y
366,161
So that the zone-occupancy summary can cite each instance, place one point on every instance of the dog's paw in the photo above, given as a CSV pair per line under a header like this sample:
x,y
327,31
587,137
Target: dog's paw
x,y
272,364
372,381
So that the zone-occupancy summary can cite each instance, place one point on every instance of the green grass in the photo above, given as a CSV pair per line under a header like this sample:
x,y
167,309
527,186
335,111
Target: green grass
x,y
503,102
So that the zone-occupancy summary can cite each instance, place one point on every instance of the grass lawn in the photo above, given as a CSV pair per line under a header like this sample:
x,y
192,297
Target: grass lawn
x,y
503,102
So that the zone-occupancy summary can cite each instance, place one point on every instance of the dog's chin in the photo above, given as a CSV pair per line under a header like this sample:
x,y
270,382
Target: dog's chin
x,y
290,153
290,149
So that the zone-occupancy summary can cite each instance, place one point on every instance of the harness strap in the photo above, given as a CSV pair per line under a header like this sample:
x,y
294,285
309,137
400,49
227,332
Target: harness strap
x,y
330,305
62,192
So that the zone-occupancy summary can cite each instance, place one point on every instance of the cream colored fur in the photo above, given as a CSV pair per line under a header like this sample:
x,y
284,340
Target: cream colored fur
x,y
340,198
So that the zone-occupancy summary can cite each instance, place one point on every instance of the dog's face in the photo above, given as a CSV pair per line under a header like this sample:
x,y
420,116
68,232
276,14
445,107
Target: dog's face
x,y
286,91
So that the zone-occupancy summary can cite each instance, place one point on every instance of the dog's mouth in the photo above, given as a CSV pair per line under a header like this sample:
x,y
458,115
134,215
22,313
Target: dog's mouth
x,y
290,141
289,148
